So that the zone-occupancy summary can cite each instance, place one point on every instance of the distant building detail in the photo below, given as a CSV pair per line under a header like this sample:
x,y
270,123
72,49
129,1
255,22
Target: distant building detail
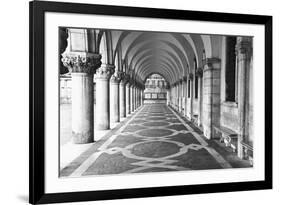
x,y
155,89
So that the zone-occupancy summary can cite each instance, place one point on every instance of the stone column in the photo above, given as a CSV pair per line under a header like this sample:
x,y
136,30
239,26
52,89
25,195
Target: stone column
x,y
136,98
139,94
184,95
114,98
244,52
102,77
132,97
200,95
128,99
211,96
168,96
141,97
180,96
173,96
177,96
191,97
122,91
82,67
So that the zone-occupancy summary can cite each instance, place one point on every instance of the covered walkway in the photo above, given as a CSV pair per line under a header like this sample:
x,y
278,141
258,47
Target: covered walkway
x,y
153,139
146,101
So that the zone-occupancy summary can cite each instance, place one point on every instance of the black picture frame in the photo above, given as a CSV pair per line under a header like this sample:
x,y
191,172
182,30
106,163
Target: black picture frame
x,y
37,9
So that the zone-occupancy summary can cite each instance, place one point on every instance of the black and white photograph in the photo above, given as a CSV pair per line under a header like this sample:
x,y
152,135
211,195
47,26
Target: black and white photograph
x,y
121,102
133,101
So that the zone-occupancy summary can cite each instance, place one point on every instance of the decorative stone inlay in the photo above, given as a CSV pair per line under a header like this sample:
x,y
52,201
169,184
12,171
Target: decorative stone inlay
x,y
155,132
105,71
156,118
157,124
81,62
155,149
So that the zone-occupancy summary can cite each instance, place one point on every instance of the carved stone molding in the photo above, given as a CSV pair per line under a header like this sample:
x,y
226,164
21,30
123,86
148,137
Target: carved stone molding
x,y
105,71
81,62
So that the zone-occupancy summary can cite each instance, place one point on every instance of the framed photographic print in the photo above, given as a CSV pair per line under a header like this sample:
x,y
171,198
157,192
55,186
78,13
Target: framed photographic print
x,y
139,102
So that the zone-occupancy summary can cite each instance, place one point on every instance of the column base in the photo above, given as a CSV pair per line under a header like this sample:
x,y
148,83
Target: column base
x,y
102,127
82,138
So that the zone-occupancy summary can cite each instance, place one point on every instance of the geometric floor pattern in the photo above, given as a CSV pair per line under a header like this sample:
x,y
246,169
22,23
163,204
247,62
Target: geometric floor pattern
x,y
154,139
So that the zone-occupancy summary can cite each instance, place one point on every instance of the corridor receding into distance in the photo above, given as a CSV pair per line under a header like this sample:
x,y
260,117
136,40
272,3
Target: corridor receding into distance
x,y
140,102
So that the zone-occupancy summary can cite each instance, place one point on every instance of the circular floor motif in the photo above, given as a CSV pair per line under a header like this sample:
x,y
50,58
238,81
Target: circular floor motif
x,y
155,123
155,132
137,121
156,118
155,149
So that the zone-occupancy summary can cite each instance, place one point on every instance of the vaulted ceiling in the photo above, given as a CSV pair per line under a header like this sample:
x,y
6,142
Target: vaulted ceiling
x,y
170,54
142,53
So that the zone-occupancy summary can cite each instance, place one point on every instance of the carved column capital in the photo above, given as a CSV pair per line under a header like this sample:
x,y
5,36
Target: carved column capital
x,y
116,77
211,63
190,76
128,81
124,78
199,72
131,82
244,47
168,86
105,71
81,62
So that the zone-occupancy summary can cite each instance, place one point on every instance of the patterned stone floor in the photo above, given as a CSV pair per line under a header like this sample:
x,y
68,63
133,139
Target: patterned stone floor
x,y
155,138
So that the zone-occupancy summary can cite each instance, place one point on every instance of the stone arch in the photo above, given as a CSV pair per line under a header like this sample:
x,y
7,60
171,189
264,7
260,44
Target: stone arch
x,y
105,47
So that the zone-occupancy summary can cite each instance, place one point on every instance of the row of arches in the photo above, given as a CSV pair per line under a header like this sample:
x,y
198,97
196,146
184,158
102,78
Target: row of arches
x,y
119,62
139,54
